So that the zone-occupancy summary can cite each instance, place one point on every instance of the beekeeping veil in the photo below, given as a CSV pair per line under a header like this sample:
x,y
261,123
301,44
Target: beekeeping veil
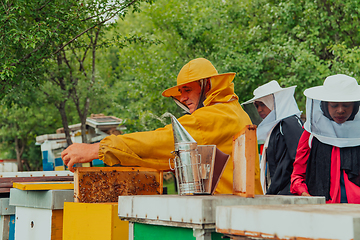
x,y
336,88
279,100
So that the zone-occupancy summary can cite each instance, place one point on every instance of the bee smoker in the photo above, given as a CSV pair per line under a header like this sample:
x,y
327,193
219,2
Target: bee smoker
x,y
187,161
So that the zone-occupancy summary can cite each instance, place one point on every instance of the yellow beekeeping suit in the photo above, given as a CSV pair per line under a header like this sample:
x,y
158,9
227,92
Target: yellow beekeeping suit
x,y
214,124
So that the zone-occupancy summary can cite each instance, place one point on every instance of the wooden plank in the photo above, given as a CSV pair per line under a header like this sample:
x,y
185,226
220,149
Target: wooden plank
x,y
57,224
36,179
43,185
244,155
105,184
5,190
8,182
36,174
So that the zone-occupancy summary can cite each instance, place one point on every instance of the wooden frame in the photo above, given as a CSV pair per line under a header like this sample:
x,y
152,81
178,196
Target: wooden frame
x,y
244,155
105,184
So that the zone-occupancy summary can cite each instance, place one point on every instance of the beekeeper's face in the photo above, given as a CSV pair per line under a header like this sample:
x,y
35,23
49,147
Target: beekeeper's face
x,y
340,111
262,109
190,95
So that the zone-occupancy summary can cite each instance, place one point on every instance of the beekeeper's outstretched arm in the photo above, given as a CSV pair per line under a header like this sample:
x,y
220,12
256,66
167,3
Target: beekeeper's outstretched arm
x,y
79,153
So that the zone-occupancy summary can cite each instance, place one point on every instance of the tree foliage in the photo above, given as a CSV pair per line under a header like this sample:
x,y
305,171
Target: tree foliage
x,y
46,48
19,126
34,30
295,42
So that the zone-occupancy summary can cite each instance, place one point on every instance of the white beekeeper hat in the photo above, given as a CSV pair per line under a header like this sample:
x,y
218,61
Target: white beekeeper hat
x,y
336,88
266,89
284,105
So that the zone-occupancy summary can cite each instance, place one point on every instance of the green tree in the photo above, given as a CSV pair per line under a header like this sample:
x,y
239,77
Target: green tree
x,y
46,45
72,76
34,30
291,41
295,42
19,125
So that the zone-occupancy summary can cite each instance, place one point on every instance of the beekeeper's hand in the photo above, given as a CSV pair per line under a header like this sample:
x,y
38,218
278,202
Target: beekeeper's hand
x,y
79,153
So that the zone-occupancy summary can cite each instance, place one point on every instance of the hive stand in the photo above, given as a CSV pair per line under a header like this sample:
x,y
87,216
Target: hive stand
x,y
312,221
187,217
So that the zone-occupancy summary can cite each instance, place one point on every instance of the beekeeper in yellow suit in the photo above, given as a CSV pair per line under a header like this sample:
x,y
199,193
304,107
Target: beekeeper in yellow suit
x,y
215,116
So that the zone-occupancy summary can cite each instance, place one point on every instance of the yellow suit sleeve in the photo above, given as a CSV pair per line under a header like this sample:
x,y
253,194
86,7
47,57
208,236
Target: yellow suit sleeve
x,y
147,149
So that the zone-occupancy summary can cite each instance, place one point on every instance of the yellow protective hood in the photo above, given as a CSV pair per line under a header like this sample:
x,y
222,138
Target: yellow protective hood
x,y
215,124
211,125
222,88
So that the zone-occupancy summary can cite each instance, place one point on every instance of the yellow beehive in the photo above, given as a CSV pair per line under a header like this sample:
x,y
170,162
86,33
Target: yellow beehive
x,y
93,221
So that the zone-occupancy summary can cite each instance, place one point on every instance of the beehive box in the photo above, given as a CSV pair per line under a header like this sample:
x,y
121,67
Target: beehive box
x,y
39,213
7,220
105,184
93,221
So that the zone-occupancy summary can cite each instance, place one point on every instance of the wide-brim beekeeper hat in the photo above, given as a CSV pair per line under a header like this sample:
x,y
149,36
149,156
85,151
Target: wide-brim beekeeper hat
x,y
195,70
336,88
266,89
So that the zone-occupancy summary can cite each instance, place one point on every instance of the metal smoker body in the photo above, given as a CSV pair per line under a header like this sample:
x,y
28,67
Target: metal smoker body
x,y
187,161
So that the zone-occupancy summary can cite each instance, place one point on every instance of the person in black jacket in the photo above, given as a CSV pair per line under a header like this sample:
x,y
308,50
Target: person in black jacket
x,y
278,134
